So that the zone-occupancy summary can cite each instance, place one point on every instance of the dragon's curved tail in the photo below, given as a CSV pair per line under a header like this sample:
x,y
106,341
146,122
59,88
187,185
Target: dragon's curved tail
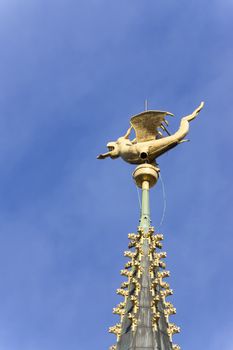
x,y
192,116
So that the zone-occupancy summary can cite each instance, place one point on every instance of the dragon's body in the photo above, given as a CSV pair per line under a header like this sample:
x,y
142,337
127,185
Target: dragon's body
x,y
148,144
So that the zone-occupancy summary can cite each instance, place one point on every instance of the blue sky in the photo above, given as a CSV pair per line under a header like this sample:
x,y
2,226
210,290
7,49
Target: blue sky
x,y
71,75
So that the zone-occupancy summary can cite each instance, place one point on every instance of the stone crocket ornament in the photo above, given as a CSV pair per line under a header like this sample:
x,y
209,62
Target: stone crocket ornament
x,y
149,143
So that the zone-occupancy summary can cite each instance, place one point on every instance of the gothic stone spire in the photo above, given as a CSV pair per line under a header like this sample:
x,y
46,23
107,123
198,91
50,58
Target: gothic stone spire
x,y
144,313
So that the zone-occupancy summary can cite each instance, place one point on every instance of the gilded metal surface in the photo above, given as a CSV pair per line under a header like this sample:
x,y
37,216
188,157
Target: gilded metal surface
x,y
146,174
148,145
144,313
146,124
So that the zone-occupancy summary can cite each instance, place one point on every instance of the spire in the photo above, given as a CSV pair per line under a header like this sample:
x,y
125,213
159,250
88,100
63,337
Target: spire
x,y
144,313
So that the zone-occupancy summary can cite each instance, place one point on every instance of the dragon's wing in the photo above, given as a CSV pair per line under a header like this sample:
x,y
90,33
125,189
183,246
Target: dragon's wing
x,y
146,124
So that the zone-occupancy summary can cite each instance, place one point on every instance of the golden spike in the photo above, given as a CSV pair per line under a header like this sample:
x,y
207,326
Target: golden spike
x,y
172,329
158,245
151,229
132,244
118,311
126,273
152,289
134,321
130,254
134,280
133,236
115,330
128,264
135,301
122,292
113,347
140,255
170,311
166,122
176,347
162,264
132,263
155,318
155,281
140,229
155,301
125,284
153,308
151,249
121,305
165,293
147,235
136,283
161,255
135,308
168,304
139,271
155,263
164,285
134,324
137,286
163,274
131,316
140,250
138,246
136,264
153,240
158,237
137,291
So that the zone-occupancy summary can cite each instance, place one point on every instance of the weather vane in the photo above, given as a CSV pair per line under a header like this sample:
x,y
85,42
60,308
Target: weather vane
x,y
144,313
149,143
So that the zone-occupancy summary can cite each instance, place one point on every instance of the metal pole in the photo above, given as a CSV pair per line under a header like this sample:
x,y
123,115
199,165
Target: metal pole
x,y
145,211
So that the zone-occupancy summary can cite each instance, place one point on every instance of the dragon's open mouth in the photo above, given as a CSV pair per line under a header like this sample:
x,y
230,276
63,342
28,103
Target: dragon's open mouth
x,y
110,148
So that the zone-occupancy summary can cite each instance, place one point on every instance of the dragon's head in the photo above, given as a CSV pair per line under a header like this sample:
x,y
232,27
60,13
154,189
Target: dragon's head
x,y
113,150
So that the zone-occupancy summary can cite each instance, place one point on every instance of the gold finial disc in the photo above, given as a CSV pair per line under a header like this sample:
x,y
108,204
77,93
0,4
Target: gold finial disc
x,y
146,172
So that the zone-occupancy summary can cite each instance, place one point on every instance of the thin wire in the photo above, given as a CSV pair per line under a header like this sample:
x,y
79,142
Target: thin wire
x,y
164,201
139,199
